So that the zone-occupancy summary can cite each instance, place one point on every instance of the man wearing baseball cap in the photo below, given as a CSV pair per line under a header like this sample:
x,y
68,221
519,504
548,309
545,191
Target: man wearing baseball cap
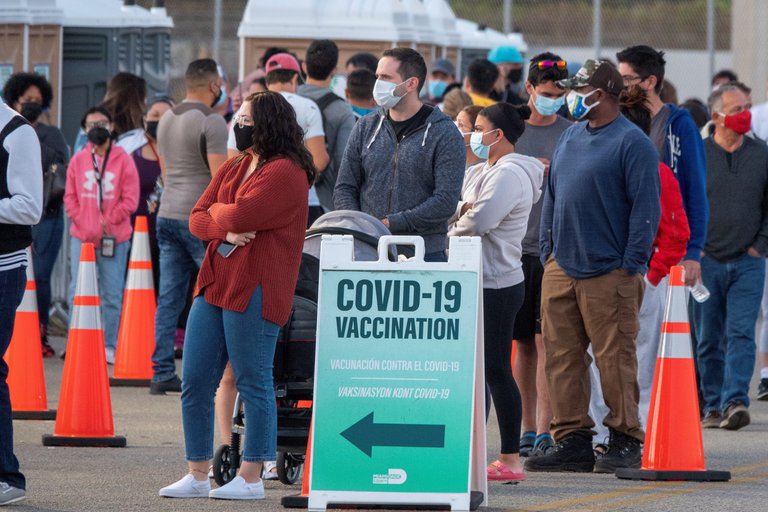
x,y
600,214
443,74
509,61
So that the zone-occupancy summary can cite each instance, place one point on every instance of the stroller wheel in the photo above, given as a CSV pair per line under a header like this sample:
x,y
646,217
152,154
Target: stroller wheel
x,y
225,465
288,467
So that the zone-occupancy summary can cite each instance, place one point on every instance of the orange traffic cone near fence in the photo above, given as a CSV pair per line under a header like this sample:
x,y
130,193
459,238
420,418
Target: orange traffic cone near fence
x,y
673,443
26,379
85,408
136,339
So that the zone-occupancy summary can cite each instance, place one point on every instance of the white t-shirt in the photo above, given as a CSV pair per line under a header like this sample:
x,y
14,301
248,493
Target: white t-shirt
x,y
760,121
309,118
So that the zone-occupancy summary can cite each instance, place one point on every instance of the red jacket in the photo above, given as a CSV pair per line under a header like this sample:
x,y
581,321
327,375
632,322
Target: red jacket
x,y
272,202
672,236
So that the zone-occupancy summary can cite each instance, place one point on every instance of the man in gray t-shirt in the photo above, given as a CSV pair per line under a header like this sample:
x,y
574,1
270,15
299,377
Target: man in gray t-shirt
x,y
539,140
338,119
192,141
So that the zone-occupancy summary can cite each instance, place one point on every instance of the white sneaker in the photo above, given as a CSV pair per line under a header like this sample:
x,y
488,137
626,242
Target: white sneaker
x,y
110,355
269,472
239,489
187,487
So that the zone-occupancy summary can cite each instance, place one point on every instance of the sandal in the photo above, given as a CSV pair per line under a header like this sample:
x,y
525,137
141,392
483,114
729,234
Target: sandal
x,y
498,471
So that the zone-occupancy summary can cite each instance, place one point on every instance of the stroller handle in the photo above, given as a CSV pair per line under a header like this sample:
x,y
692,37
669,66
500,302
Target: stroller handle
x,y
389,240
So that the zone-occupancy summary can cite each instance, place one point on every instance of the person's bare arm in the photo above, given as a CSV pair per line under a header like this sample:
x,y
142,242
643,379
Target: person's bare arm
x,y
316,146
214,162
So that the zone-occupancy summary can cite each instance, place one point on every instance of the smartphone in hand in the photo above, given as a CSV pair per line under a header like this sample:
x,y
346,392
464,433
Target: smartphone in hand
x,y
226,249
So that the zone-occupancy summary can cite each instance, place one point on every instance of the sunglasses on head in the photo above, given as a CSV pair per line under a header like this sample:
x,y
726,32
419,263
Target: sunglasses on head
x,y
549,64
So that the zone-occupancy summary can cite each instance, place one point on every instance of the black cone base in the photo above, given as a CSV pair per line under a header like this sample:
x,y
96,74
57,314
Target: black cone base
x,y
129,383
691,476
295,501
50,414
106,442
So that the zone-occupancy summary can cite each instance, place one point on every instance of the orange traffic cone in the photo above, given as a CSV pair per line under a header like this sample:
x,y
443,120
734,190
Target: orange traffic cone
x,y
26,379
85,408
301,500
136,339
673,444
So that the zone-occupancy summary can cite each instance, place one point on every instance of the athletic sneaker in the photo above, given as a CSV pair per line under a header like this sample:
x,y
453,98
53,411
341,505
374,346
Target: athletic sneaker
x,y
544,443
9,494
623,452
239,489
762,390
712,420
526,443
269,470
172,385
187,487
572,453
736,416
109,353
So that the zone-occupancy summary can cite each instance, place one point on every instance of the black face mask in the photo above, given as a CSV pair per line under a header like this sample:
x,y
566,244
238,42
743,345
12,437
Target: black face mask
x,y
515,75
152,129
98,136
31,111
243,137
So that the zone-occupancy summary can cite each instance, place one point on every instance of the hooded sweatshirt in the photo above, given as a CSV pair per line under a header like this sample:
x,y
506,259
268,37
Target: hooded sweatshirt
x,y
684,154
501,196
119,195
414,183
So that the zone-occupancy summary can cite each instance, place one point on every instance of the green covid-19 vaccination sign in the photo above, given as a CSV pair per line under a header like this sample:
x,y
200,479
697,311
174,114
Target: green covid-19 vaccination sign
x,y
394,381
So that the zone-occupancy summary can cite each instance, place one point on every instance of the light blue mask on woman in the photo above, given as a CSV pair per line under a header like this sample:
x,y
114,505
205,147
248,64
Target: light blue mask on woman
x,y
476,144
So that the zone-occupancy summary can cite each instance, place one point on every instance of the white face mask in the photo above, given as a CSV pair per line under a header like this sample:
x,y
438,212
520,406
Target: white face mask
x,y
384,94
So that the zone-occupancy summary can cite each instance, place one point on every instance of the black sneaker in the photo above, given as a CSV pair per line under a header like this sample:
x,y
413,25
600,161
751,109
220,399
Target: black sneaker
x,y
572,453
526,443
172,385
623,452
544,443
736,416
762,390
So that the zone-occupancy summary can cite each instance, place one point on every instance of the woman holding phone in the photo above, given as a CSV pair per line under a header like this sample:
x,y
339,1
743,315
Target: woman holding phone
x,y
257,202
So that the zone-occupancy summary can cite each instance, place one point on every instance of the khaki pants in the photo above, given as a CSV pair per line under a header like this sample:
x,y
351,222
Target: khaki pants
x,y
602,310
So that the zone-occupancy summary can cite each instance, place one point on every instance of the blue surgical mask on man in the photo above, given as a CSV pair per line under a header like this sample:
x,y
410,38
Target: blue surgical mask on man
x,y
437,88
548,106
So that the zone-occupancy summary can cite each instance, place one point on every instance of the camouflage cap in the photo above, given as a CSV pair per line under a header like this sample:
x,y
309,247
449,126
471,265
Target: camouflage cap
x,y
600,74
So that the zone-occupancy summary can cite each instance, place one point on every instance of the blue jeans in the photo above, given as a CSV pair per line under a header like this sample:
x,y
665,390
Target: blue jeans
x,y
46,242
725,329
214,336
111,279
181,254
12,284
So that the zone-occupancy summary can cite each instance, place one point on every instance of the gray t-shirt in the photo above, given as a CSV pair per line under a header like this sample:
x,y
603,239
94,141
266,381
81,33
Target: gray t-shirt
x,y
338,121
539,142
186,134
659,129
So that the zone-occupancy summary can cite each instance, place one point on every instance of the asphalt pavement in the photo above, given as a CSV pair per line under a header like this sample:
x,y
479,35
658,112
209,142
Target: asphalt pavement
x,y
127,479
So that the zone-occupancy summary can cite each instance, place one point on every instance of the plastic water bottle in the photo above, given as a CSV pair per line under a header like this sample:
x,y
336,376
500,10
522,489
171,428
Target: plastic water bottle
x,y
699,292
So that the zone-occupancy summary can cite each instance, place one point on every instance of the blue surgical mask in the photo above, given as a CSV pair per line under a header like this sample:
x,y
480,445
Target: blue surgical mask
x,y
360,111
548,106
222,97
437,88
478,148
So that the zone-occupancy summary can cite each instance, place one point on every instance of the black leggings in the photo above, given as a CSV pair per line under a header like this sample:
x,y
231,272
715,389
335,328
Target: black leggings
x,y
499,310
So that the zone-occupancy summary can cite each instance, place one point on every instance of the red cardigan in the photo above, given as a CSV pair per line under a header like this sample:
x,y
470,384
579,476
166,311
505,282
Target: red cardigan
x,y
673,233
272,202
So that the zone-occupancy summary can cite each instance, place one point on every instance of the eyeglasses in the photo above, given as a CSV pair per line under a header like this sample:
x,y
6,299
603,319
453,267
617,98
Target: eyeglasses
x,y
633,78
243,121
549,64
96,124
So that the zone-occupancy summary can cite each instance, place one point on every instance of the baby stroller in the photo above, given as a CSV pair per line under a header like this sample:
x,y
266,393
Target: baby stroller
x,y
294,362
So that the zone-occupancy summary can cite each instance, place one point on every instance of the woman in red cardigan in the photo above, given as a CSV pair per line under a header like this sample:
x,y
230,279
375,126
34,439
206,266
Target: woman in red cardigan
x,y
254,214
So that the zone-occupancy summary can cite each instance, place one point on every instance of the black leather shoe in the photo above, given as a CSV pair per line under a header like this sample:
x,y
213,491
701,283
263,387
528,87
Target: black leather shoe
x,y
623,452
573,453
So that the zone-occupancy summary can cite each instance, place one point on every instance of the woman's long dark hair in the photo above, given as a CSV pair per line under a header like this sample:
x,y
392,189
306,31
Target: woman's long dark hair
x,y
125,98
276,132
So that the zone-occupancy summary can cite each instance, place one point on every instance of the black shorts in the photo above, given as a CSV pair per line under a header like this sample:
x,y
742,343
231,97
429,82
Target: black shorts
x,y
528,321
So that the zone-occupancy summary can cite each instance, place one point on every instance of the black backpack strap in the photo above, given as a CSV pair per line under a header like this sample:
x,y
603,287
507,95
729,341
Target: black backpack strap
x,y
14,123
325,100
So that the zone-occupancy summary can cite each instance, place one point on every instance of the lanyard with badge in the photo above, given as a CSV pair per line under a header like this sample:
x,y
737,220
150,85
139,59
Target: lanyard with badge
x,y
107,242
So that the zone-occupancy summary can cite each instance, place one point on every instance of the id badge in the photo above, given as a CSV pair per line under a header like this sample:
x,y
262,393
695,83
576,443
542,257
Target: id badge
x,y
108,246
